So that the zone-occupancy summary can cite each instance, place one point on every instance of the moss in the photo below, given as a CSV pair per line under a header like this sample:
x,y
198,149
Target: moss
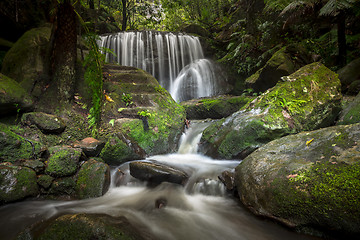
x,y
45,181
327,193
15,147
63,161
17,183
93,179
63,186
86,227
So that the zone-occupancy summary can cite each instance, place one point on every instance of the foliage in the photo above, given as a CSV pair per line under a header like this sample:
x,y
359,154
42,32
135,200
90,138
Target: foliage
x,y
127,99
145,114
93,77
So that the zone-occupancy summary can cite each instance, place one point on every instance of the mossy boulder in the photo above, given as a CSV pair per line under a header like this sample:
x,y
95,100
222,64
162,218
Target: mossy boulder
x,y
47,123
93,179
310,180
45,181
85,227
284,62
309,99
13,98
16,183
26,60
139,113
63,161
351,112
349,74
14,147
215,107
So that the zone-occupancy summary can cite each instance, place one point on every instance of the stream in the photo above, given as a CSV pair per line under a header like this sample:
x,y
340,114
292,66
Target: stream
x,y
202,209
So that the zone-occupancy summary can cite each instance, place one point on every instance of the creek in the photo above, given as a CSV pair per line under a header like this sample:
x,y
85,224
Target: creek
x,y
202,209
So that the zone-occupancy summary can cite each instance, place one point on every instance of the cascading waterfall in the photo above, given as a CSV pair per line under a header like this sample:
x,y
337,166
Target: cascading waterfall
x,y
176,60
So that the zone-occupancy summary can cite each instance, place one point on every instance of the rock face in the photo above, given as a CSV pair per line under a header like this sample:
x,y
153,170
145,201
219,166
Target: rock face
x,y
156,173
47,123
351,113
215,108
13,98
90,146
349,74
93,179
309,99
139,115
16,183
307,180
25,62
85,227
284,62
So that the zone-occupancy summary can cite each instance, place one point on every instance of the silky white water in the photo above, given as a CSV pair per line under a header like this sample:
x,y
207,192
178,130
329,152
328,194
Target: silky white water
x,y
177,61
202,209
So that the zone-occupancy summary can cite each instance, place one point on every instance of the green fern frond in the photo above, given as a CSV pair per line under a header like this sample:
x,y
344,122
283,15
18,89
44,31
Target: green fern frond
x,y
334,7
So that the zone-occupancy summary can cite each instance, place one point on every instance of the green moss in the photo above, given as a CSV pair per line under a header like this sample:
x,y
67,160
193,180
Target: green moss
x,y
327,192
15,147
63,162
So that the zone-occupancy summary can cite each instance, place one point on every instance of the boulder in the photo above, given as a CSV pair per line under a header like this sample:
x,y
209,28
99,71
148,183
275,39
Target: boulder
x,y
139,113
93,179
47,123
284,62
36,165
83,226
16,183
215,107
13,98
63,188
156,173
309,99
349,74
26,60
351,112
90,146
310,180
14,147
63,161
45,181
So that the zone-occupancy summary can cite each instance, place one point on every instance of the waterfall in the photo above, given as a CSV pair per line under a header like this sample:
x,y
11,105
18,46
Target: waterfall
x,y
176,60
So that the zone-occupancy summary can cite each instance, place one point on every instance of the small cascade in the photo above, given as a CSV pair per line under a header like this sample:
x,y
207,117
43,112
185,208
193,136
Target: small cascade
x,y
176,60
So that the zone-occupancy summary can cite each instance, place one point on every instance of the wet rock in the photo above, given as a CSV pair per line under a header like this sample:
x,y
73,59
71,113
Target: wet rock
x,y
308,99
351,112
47,123
215,108
132,93
284,62
14,147
16,183
119,177
85,227
228,179
156,173
13,98
90,146
63,161
308,180
93,179
63,187
36,165
45,181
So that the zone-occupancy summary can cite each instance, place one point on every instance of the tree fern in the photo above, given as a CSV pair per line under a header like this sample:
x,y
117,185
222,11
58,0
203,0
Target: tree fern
x,y
334,7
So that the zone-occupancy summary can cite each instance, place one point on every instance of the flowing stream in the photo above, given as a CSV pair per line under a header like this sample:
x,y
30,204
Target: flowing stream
x,y
200,210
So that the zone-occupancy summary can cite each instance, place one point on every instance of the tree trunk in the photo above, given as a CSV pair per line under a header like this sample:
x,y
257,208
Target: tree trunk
x,y
341,39
63,54
124,13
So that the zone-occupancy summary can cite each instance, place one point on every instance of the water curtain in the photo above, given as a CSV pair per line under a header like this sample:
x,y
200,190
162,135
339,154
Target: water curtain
x,y
176,60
